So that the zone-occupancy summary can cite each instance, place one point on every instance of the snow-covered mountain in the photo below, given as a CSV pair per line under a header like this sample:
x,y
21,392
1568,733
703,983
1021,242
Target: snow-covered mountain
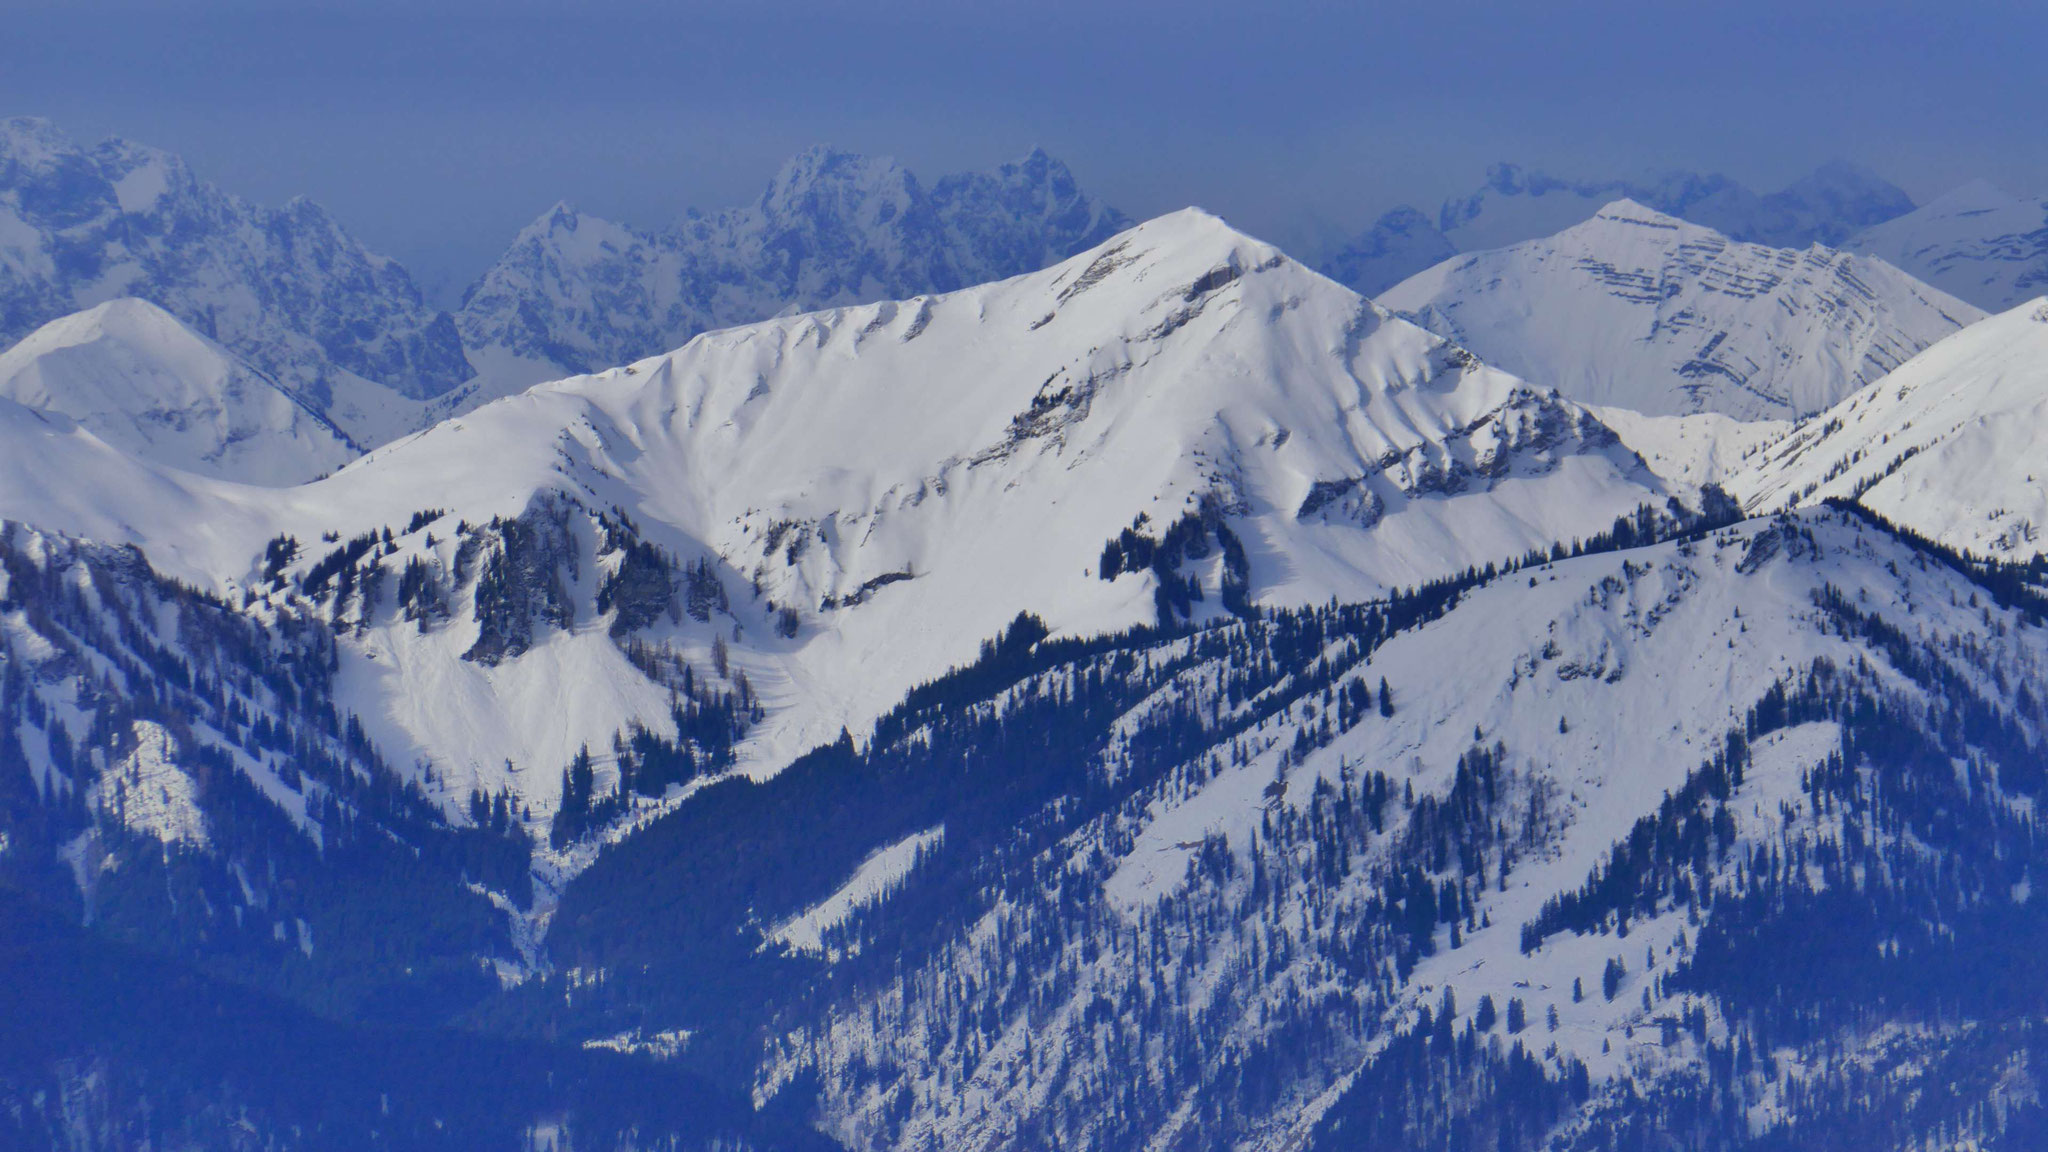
x,y
1546,854
138,379
1977,243
1954,444
1517,204
576,293
1163,700
1638,309
284,288
1173,423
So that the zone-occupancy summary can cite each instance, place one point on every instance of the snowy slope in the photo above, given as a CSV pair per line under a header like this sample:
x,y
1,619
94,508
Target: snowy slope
x,y
1247,903
285,288
1953,444
1692,451
1977,243
576,293
137,378
906,477
1641,310
896,481
59,477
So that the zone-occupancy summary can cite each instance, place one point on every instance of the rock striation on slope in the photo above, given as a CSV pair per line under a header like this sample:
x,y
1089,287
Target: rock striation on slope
x,y
1638,309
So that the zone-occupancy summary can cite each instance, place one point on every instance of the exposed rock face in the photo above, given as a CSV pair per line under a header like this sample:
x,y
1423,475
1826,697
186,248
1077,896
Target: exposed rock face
x,y
286,288
576,293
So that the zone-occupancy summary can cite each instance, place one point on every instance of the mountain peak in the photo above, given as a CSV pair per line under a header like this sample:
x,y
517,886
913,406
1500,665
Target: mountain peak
x,y
1629,211
1637,308
1196,234
285,287
1402,242
136,377
832,228
821,166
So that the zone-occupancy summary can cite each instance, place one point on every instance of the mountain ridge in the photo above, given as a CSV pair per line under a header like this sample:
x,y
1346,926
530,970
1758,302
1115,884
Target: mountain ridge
x,y
1516,204
831,228
1639,309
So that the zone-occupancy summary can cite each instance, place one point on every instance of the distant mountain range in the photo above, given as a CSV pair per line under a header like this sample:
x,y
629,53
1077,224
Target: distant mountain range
x,y
134,376
1516,204
344,333
575,293
287,288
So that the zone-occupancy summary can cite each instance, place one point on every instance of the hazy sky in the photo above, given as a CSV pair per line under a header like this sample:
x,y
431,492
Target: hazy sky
x,y
436,130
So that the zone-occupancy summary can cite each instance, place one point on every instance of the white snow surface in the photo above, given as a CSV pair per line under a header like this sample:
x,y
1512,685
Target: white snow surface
x,y
145,383
1954,444
1978,243
1641,310
987,443
148,793
1704,448
870,883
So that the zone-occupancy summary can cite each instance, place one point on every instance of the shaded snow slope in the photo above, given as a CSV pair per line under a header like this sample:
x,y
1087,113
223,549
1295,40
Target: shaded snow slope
x,y
133,375
59,477
1978,243
1641,310
1954,444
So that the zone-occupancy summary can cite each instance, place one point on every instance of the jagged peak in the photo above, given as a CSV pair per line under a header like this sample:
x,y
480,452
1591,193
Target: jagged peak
x,y
562,215
823,163
27,138
1039,166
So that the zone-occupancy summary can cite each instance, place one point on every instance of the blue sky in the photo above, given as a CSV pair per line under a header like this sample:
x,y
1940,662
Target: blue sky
x,y
436,129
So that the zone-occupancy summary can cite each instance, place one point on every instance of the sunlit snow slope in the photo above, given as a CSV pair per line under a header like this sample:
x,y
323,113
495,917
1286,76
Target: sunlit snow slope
x,y
1953,445
145,383
1642,310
